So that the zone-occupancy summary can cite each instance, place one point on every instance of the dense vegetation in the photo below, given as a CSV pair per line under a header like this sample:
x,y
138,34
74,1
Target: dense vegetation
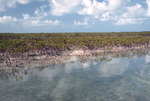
x,y
11,42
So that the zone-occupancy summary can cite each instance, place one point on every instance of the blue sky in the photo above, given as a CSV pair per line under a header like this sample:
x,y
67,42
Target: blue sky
x,y
22,16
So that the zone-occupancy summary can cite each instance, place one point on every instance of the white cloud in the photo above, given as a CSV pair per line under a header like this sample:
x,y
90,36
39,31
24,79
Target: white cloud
x,y
60,7
111,10
125,21
120,12
85,22
85,7
88,7
135,14
33,23
116,4
135,11
97,8
26,16
40,12
36,21
28,21
2,5
92,8
12,3
9,20
148,4
107,17
130,15
55,22
39,18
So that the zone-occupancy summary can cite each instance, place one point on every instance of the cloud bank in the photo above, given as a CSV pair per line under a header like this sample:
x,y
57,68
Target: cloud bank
x,y
121,12
4,4
118,12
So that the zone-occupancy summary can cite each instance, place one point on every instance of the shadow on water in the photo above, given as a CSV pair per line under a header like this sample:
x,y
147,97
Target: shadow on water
x,y
107,77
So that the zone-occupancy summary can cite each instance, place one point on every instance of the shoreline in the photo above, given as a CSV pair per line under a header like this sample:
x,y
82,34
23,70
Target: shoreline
x,y
21,59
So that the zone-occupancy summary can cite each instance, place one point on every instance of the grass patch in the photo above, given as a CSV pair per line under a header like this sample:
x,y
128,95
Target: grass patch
x,y
18,42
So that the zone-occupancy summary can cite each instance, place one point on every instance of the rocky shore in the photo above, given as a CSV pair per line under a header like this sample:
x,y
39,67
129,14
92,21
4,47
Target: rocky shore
x,y
48,56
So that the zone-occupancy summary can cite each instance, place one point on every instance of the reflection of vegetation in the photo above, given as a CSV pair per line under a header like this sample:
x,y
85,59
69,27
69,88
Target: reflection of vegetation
x,y
14,73
108,57
19,73
64,41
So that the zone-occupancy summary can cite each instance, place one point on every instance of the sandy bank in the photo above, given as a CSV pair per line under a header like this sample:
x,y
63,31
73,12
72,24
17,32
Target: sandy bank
x,y
22,59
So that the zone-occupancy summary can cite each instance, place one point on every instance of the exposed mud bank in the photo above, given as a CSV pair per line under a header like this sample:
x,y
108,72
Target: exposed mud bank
x,y
50,57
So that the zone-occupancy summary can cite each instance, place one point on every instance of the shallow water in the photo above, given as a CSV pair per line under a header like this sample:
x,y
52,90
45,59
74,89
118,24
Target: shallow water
x,y
103,78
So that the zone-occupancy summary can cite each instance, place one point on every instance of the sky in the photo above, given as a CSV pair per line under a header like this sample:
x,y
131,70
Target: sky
x,y
40,16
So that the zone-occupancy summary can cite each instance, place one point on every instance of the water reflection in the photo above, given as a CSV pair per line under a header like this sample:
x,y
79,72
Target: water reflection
x,y
115,67
147,59
112,77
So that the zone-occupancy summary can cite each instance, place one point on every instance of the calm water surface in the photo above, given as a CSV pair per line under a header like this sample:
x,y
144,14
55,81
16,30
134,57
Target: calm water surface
x,y
107,78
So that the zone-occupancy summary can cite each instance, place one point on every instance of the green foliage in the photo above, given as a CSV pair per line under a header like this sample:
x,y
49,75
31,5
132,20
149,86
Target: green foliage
x,y
63,41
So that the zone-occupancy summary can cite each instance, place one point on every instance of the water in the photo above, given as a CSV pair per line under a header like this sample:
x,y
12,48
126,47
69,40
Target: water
x,y
123,77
